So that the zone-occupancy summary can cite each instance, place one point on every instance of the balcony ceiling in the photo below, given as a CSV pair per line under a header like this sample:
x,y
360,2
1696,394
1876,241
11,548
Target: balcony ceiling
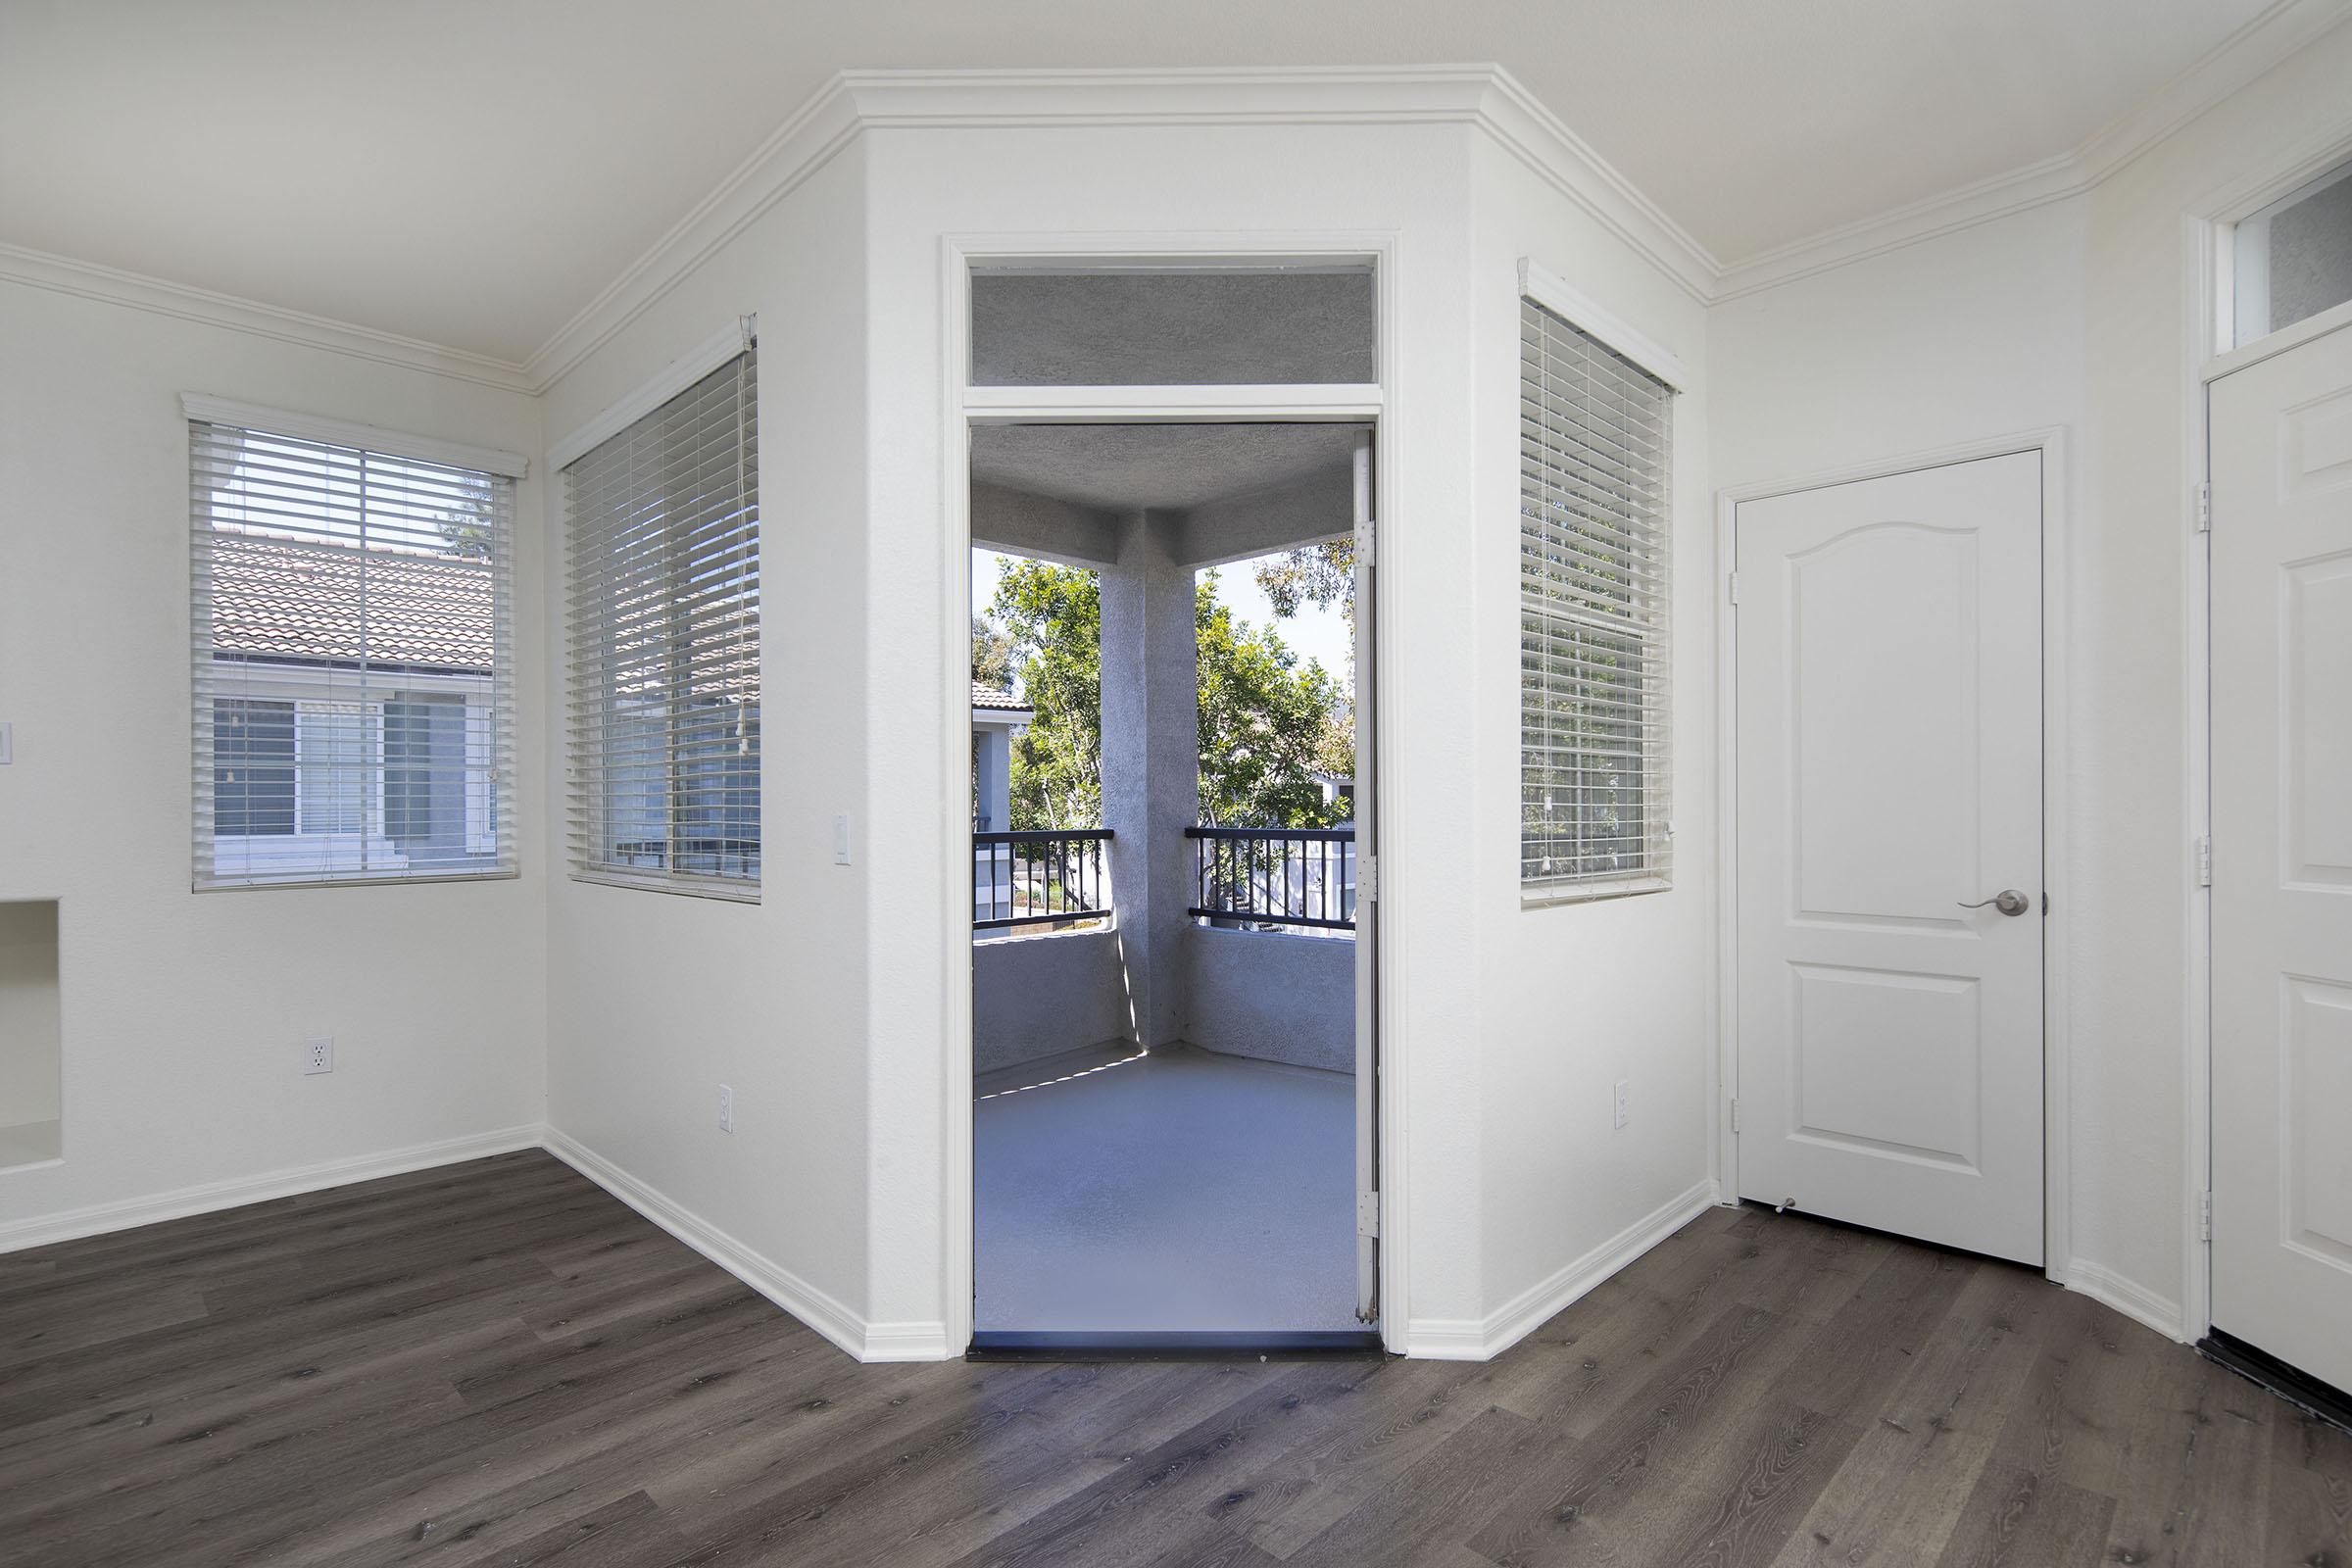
x,y
1172,468
474,172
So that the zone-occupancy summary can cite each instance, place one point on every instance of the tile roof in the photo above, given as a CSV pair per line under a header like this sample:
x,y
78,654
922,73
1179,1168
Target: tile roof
x,y
277,599
984,696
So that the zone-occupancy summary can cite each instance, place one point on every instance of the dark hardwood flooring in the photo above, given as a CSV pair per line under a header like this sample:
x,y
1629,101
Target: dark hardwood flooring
x,y
498,1364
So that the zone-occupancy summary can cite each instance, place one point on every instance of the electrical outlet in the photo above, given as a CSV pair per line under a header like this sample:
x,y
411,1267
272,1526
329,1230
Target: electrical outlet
x,y
319,1055
1625,1099
726,1108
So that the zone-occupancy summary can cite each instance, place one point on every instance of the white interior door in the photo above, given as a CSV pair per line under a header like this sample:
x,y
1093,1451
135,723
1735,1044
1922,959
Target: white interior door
x,y
1890,775
2282,696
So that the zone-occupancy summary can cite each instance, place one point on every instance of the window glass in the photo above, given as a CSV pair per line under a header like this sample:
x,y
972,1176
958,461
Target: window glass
x,y
2293,259
664,586
1593,460
353,669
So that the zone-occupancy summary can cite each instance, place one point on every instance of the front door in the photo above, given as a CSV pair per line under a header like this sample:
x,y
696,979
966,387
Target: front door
x,y
1889,916
2282,449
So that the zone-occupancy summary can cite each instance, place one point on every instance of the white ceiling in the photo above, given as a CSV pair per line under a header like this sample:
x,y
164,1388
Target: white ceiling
x,y
472,172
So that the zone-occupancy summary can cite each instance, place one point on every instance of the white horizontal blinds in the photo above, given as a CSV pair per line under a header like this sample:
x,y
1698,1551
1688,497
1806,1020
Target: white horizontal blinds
x,y
1593,678
353,680
664,609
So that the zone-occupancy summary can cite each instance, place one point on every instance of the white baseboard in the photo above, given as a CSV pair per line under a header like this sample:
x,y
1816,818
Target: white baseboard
x,y
2135,1301
907,1341
204,1198
1484,1339
895,1341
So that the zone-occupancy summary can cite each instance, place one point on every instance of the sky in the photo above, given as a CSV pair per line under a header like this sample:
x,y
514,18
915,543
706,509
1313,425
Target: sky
x,y
1312,633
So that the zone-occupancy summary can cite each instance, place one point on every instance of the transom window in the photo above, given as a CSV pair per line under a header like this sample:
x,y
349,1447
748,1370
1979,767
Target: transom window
x,y
2293,259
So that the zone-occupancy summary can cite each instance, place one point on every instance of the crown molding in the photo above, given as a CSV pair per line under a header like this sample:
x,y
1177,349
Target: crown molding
x,y
1516,119
2261,44
88,281
805,143
1484,96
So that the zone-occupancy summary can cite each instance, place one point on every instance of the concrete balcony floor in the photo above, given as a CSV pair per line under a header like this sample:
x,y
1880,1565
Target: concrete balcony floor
x,y
1183,1190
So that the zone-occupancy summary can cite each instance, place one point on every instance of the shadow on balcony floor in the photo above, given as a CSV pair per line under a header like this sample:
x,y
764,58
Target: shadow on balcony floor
x,y
1179,1191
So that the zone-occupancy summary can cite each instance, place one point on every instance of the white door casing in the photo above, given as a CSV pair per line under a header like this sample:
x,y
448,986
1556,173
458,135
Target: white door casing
x,y
1367,911
2281,434
1889,1042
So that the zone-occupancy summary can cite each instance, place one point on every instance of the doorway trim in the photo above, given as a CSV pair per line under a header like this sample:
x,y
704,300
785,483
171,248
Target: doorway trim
x,y
2058,1261
962,406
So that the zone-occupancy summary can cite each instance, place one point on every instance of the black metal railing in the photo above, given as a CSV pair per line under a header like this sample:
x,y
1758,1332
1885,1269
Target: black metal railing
x,y
1039,877
1274,876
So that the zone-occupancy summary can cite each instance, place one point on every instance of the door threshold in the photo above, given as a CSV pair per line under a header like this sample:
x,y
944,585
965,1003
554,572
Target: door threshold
x,y
2296,1387
1290,1344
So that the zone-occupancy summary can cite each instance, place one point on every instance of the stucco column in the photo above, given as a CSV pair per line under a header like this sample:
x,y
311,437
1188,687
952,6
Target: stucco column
x,y
1150,768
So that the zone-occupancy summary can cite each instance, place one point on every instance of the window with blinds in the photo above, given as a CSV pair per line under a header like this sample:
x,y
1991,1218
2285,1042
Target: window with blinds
x,y
354,685
1595,766
663,586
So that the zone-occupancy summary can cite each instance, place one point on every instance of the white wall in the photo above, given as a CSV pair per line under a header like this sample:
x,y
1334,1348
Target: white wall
x,y
1575,996
2081,314
184,1014
2133,867
1509,1170
1102,181
656,1000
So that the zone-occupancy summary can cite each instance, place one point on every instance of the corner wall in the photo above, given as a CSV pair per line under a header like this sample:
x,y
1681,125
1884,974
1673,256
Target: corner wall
x,y
655,1000
2082,314
1507,1026
1575,996
184,1013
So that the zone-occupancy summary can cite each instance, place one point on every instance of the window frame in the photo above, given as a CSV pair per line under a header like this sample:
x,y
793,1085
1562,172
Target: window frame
x,y
299,683
589,765
1549,293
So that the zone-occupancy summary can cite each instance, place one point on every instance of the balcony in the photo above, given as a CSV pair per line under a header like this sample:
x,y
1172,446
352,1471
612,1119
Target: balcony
x,y
1259,959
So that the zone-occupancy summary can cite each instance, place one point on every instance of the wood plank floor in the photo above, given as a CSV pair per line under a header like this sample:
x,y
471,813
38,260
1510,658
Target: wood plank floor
x,y
498,1364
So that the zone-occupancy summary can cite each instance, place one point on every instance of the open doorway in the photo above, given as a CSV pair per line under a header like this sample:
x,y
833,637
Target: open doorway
x,y
1169,748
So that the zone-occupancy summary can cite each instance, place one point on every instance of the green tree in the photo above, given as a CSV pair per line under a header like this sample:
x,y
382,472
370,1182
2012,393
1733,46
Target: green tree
x,y
1050,619
1322,575
1266,722
1263,722
992,653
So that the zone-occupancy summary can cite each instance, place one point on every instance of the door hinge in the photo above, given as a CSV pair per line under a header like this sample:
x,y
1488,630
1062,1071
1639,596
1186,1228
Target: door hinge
x,y
1731,588
2204,862
2205,508
1364,547
1367,1215
1367,878
1735,1114
2205,1216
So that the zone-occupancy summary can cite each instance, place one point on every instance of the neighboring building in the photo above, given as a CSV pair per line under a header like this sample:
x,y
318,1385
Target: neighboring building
x,y
1336,787
349,725
997,717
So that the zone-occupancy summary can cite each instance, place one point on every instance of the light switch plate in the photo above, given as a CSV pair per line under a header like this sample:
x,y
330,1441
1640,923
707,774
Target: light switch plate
x,y
8,744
